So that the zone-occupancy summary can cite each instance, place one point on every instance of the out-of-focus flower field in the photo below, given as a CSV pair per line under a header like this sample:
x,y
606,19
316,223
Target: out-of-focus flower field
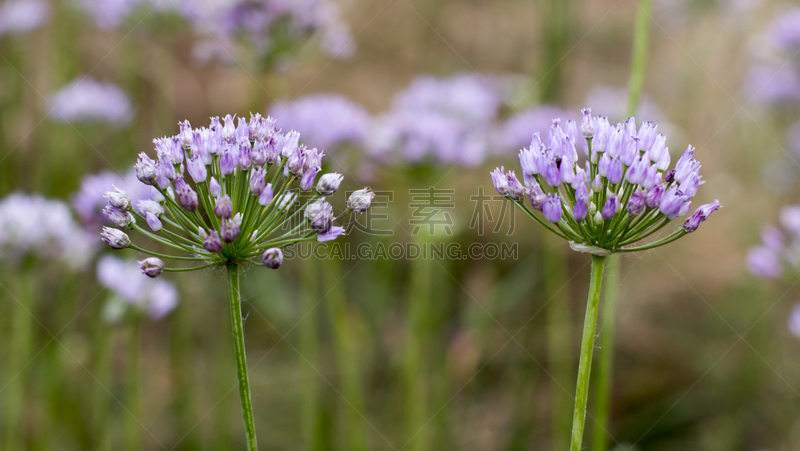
x,y
443,318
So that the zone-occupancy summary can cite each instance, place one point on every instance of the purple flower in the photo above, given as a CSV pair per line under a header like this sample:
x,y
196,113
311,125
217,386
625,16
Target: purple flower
x,y
115,238
212,242
151,267
266,195
628,168
187,197
610,208
231,228
309,177
329,183
87,100
257,180
272,258
360,200
325,120
214,188
196,168
552,208
224,207
332,234
153,222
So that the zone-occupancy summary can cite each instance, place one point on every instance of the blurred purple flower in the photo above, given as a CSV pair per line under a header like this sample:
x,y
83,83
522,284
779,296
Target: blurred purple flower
x,y
23,16
778,247
763,262
31,225
794,321
156,297
88,201
772,84
88,100
516,131
325,120
263,23
448,119
785,31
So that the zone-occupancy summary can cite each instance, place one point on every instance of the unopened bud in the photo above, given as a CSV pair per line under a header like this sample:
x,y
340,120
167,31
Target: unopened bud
x,y
151,267
360,200
272,258
328,184
115,238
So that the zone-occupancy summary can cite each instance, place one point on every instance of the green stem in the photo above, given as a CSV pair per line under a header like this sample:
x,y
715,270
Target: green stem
x,y
587,348
349,350
606,357
641,41
104,342
241,361
19,355
132,437
559,340
311,405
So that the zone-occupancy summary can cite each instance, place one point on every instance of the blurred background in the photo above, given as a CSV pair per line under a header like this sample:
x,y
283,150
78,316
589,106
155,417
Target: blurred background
x,y
418,99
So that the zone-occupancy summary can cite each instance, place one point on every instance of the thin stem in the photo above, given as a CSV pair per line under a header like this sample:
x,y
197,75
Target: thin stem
x,y
587,348
19,354
241,361
606,357
133,373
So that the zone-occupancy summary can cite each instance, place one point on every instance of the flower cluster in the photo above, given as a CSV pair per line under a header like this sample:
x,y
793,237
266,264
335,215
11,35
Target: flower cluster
x,y
32,226
325,120
622,194
778,247
88,100
228,194
157,298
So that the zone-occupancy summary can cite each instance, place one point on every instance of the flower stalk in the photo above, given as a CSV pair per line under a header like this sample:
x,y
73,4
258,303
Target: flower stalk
x,y
237,328
587,348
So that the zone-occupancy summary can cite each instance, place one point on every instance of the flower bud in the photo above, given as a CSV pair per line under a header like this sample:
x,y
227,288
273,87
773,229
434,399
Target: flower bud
x,y
153,222
118,199
187,198
290,143
228,130
610,208
214,188
272,258
224,207
320,215
265,197
186,136
552,208
500,181
257,180
244,155
329,183
115,238
587,123
117,216
598,218
197,168
360,200
515,189
635,205
332,234
231,228
307,182
151,267
211,242
145,169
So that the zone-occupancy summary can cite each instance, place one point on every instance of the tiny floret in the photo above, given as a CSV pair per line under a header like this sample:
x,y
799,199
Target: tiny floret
x,y
329,183
272,258
151,267
360,200
115,238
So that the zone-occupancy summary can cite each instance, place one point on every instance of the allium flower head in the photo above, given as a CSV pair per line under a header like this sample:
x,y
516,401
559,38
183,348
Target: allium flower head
x,y
34,227
241,209
88,100
613,193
